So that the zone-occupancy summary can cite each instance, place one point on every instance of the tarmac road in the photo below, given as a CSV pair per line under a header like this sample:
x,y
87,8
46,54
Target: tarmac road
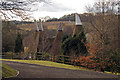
x,y
39,71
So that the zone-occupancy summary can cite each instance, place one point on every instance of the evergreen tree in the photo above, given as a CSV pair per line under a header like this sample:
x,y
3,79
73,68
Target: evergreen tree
x,y
74,44
18,43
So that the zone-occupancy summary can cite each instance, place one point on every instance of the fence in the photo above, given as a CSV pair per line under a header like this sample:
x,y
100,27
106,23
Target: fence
x,y
59,58
40,56
11,55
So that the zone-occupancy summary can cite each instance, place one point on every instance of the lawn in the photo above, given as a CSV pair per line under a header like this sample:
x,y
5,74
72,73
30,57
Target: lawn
x,y
48,63
8,71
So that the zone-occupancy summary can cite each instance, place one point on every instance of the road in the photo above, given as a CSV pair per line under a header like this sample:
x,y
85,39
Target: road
x,y
39,71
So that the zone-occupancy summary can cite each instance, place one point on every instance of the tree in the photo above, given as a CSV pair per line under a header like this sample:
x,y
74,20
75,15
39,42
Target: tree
x,y
104,25
18,43
75,44
103,6
18,8
9,36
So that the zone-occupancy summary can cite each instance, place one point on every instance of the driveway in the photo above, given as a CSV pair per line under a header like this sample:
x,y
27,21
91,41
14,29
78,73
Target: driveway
x,y
39,71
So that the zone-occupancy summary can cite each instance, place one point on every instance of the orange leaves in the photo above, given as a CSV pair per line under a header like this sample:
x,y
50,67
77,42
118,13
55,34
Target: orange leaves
x,y
106,58
87,58
109,64
72,60
54,58
77,60
93,47
81,59
92,62
103,67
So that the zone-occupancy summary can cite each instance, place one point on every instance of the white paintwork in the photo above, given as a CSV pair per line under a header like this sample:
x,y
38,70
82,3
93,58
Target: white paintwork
x,y
41,26
77,20
36,28
60,27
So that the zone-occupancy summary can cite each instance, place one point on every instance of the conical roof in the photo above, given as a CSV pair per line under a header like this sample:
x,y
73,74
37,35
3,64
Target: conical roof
x,y
60,27
36,25
77,20
40,26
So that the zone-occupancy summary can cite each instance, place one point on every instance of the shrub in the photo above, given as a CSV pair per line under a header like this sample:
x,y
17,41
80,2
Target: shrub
x,y
93,62
46,56
115,60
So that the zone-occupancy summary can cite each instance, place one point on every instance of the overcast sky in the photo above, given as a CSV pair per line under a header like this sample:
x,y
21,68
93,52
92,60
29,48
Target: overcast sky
x,y
58,8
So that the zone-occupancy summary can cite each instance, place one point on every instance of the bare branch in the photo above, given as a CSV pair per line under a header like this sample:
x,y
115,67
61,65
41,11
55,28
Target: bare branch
x,y
20,8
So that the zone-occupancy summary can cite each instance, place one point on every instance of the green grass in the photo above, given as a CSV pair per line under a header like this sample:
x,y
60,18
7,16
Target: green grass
x,y
48,63
111,72
8,71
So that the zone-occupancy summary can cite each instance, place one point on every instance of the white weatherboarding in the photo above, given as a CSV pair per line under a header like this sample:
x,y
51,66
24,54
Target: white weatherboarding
x,y
60,27
41,26
77,20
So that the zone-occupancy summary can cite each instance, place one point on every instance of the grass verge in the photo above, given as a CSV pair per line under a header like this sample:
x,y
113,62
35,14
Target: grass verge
x,y
8,71
48,63
112,73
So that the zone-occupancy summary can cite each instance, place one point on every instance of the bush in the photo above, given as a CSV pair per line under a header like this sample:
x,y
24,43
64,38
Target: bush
x,y
46,56
93,62
111,64
115,60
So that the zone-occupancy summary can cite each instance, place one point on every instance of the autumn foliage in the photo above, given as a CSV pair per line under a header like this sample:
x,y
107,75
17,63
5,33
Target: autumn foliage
x,y
93,48
92,62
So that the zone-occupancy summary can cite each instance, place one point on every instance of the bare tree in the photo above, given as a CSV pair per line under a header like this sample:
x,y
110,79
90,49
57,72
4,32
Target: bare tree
x,y
103,6
105,23
18,8
89,8
103,30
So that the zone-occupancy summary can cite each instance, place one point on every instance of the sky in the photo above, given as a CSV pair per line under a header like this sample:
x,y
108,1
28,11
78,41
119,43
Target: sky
x,y
58,8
